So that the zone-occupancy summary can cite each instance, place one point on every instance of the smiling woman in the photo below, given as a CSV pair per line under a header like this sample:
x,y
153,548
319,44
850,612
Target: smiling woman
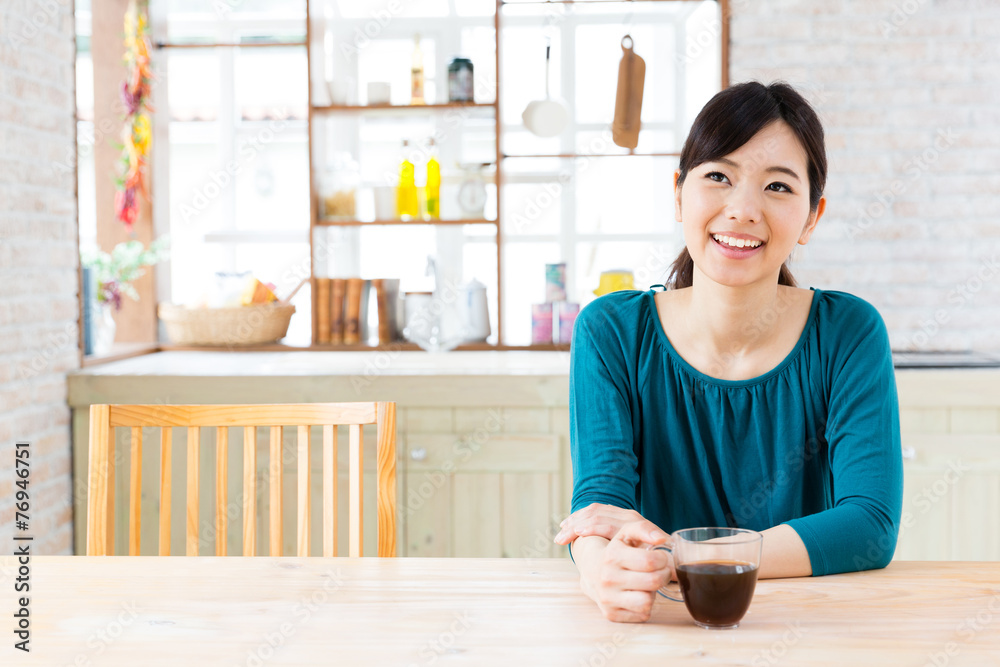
x,y
734,398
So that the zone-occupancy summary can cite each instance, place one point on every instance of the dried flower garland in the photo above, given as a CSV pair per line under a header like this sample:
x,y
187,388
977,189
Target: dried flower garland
x,y
137,133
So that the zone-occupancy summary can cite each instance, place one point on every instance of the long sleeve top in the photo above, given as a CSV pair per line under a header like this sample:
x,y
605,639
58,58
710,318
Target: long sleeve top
x,y
813,443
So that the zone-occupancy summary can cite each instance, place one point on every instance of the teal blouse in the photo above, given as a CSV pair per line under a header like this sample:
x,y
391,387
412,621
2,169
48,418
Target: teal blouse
x,y
813,443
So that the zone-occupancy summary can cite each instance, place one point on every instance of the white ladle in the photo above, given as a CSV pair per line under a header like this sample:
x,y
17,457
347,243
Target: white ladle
x,y
545,118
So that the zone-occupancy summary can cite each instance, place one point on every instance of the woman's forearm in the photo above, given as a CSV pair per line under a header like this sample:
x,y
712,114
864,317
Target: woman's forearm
x,y
783,554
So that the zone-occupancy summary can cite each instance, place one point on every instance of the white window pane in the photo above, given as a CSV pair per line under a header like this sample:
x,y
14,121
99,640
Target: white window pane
x,y
198,184
270,83
475,7
193,84
272,178
532,209
86,184
375,9
632,195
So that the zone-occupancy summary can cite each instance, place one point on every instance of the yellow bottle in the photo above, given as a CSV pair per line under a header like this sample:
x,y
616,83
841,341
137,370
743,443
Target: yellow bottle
x,y
432,191
417,73
406,195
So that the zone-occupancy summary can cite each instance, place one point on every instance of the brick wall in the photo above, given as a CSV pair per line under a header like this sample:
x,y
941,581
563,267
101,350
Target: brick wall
x,y
38,263
909,92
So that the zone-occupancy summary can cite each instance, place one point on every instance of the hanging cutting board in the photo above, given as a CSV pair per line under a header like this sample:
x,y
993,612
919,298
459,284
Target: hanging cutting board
x,y
628,103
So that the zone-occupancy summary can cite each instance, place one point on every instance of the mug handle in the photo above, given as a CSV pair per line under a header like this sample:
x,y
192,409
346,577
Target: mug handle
x,y
666,591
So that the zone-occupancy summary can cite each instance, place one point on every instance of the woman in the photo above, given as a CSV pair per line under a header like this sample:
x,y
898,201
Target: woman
x,y
734,397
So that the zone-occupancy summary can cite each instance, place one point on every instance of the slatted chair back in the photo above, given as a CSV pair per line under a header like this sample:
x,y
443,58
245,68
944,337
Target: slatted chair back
x,y
104,419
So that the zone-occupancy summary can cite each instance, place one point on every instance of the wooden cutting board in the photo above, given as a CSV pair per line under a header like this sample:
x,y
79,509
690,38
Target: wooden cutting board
x,y
628,103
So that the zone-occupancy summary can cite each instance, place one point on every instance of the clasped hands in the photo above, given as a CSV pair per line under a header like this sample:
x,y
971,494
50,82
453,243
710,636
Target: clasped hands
x,y
623,576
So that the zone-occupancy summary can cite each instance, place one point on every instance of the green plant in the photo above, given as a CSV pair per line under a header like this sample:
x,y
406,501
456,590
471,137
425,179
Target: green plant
x,y
126,262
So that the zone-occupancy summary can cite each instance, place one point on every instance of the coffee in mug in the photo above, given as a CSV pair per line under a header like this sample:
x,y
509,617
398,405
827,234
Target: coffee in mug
x,y
716,572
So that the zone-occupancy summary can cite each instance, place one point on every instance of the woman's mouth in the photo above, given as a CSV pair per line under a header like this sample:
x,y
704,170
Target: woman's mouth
x,y
737,247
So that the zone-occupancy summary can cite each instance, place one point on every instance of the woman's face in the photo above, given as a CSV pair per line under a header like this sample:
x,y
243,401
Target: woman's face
x,y
745,212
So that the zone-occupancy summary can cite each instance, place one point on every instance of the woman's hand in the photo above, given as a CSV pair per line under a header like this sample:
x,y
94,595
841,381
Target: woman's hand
x,y
595,519
623,576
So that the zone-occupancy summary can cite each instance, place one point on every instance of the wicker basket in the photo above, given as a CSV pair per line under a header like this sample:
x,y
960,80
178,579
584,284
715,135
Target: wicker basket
x,y
244,325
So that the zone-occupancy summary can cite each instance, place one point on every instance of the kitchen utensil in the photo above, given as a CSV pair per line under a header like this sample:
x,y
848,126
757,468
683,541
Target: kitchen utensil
x,y
475,312
545,118
628,101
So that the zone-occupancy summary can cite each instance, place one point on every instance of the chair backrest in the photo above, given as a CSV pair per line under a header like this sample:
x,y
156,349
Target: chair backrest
x,y
101,502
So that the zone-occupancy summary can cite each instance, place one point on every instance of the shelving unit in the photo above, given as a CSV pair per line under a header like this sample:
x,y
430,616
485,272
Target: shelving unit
x,y
321,112
318,111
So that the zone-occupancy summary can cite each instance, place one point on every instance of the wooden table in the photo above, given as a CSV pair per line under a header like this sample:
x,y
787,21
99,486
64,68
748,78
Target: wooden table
x,y
145,611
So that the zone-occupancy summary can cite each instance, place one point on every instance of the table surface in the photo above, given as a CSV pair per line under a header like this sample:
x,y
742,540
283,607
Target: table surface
x,y
412,611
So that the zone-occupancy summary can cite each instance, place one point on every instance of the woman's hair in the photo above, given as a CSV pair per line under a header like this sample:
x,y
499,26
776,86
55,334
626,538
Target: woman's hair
x,y
731,119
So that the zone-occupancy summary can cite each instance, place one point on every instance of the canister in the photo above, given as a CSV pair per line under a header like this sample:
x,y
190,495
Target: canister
x,y
541,324
555,282
564,317
460,81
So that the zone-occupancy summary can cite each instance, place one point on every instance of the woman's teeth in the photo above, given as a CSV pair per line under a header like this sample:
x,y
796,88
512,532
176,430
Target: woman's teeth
x,y
736,243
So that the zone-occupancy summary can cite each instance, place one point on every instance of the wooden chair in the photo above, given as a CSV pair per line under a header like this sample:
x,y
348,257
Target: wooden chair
x,y
100,503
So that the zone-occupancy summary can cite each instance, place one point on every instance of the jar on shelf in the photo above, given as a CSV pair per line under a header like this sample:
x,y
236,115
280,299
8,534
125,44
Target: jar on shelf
x,y
339,188
461,86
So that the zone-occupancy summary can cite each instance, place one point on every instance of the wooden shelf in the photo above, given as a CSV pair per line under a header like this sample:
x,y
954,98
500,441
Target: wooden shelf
x,y
579,155
403,107
362,223
217,45
402,345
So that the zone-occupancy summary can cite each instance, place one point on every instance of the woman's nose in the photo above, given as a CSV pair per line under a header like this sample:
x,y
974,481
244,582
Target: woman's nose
x,y
744,205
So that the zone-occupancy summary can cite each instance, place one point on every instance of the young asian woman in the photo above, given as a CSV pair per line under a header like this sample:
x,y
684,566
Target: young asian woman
x,y
732,397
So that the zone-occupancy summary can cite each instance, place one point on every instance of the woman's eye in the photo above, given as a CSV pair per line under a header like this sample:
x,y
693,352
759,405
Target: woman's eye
x,y
779,187
716,176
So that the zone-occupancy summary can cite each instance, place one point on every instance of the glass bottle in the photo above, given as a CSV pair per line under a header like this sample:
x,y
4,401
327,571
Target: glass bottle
x,y
432,190
406,195
417,73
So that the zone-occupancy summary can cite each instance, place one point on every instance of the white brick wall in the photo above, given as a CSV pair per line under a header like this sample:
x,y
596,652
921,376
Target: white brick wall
x,y
912,225
38,263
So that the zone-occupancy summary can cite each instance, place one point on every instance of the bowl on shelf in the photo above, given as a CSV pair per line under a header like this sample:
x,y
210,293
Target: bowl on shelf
x,y
240,325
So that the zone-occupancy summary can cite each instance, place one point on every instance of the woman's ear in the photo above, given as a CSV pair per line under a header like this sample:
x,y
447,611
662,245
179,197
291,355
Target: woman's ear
x,y
811,222
677,196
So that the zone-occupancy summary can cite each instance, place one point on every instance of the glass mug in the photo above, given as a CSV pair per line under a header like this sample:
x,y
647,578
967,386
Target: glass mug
x,y
716,573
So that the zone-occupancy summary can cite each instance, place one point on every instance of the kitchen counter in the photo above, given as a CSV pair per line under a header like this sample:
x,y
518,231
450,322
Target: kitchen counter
x,y
512,409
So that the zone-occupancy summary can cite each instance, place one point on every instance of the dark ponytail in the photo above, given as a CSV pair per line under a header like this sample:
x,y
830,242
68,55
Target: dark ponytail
x,y
731,119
